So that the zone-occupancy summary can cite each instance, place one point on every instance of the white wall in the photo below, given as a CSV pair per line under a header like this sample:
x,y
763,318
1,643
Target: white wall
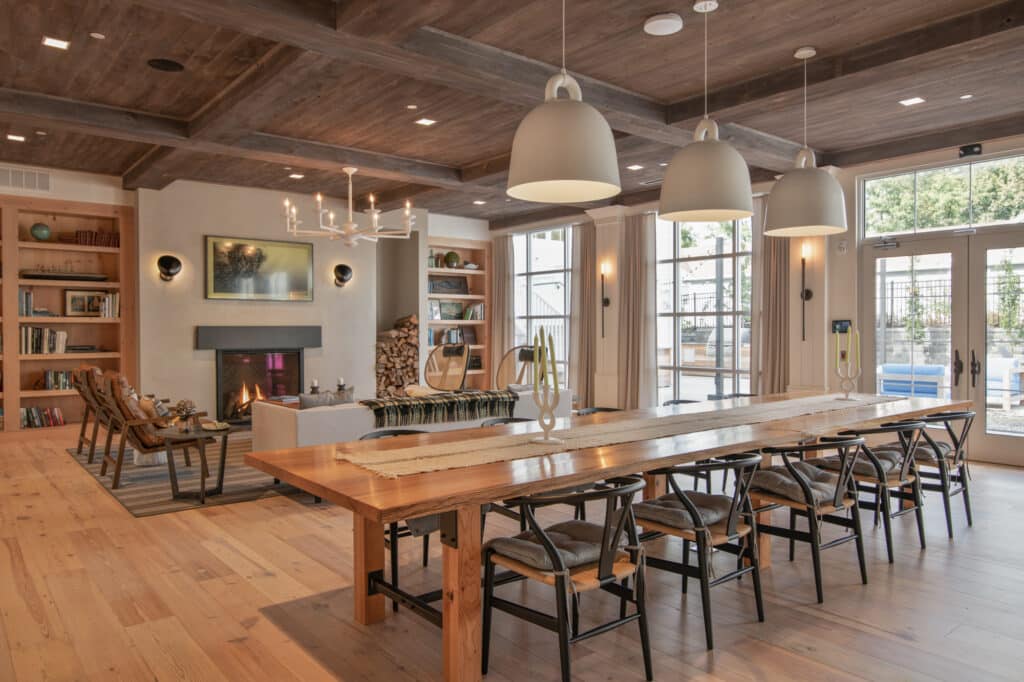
x,y
174,221
442,225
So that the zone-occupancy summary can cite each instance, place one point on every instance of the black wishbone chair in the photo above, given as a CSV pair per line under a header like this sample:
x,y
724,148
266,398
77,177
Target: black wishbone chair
x,y
950,458
816,494
573,557
886,472
722,521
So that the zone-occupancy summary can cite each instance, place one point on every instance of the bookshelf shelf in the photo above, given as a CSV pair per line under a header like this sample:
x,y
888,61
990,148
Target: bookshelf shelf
x,y
117,337
456,297
452,271
72,248
456,323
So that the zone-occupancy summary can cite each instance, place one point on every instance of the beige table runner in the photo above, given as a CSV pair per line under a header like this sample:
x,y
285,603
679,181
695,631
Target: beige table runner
x,y
418,459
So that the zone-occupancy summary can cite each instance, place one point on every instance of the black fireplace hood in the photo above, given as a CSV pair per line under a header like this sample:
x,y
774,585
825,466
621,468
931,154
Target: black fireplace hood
x,y
257,337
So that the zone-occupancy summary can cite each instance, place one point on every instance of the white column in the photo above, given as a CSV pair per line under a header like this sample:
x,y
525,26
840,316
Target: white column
x,y
610,221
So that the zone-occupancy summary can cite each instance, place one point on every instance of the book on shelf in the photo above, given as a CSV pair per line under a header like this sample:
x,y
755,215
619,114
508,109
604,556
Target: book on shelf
x,y
39,417
42,341
107,305
55,380
473,312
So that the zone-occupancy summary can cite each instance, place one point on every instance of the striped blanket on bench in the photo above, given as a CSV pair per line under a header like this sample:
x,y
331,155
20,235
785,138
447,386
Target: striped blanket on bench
x,y
441,408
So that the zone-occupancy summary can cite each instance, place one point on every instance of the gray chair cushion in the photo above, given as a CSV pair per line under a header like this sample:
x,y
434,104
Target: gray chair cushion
x,y
577,542
778,481
322,399
669,511
424,525
889,459
924,452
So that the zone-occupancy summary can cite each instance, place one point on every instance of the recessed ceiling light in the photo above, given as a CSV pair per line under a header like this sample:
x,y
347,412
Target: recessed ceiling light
x,y
662,164
705,6
425,121
56,42
911,101
168,65
663,24
97,35
296,176
15,138
412,107
479,202
507,200
635,167
966,96
41,133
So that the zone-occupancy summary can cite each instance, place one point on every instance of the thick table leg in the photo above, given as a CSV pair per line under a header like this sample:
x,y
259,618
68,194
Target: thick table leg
x,y
655,487
462,600
368,546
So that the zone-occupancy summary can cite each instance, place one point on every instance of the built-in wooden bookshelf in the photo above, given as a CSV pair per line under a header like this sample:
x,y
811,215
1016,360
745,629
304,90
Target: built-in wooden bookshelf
x,y
113,340
478,291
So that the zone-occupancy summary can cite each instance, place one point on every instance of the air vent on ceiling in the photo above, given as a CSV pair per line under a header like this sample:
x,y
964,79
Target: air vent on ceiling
x,y
19,178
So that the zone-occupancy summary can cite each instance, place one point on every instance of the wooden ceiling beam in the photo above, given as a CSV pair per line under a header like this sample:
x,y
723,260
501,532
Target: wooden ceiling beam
x,y
943,34
122,124
431,55
943,139
390,22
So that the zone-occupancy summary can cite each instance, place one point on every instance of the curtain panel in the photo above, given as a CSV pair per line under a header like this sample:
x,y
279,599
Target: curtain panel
x,y
583,320
638,371
774,311
503,323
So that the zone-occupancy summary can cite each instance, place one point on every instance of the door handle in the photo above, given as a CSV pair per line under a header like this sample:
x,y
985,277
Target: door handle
x,y
975,369
958,367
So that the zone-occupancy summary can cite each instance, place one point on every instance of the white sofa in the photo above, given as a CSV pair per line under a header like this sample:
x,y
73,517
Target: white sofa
x,y
275,427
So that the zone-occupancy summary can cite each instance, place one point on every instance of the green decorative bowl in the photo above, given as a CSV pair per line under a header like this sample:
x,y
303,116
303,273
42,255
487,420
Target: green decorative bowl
x,y
451,259
40,232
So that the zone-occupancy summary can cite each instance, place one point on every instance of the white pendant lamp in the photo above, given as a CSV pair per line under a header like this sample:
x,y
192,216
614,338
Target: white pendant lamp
x,y
707,180
807,201
563,151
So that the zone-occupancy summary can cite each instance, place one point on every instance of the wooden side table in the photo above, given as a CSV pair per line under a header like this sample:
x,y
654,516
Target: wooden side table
x,y
175,438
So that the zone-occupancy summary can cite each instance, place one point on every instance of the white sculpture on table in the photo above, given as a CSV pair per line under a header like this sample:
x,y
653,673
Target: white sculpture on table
x,y
848,366
545,385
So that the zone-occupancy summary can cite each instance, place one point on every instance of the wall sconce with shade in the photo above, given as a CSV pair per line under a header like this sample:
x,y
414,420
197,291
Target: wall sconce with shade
x,y
342,274
805,293
168,266
605,301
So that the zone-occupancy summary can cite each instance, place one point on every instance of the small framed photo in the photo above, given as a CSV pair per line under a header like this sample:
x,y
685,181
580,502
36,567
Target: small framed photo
x,y
435,310
83,303
451,310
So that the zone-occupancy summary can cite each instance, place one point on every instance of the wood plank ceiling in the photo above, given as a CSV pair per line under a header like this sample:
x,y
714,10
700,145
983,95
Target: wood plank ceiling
x,y
272,87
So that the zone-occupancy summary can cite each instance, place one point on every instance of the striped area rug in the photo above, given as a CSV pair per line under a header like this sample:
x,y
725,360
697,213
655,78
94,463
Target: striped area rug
x,y
146,491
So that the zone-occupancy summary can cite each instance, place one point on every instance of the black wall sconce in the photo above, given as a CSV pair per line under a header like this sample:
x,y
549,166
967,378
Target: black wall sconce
x,y
342,275
605,301
805,293
169,266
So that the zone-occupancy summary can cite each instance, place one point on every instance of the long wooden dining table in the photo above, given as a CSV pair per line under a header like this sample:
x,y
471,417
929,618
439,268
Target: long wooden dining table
x,y
457,494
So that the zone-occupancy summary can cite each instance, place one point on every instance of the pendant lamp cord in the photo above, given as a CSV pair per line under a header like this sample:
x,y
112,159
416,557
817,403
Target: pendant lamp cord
x,y
805,104
707,18
563,36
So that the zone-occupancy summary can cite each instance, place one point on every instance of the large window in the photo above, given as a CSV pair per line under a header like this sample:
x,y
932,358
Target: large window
x,y
704,309
543,266
961,195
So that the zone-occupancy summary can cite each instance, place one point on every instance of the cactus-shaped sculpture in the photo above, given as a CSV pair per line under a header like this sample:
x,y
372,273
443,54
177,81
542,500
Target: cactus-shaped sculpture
x,y
545,385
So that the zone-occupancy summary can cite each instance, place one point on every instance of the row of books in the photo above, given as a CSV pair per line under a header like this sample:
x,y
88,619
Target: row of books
x,y
43,341
38,417
110,305
25,303
56,379
473,312
93,305
96,238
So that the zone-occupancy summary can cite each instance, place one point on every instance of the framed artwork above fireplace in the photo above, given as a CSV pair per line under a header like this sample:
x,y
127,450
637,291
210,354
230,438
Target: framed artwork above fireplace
x,y
243,269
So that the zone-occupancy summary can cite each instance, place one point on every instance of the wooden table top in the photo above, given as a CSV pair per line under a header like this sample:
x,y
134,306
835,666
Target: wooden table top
x,y
316,470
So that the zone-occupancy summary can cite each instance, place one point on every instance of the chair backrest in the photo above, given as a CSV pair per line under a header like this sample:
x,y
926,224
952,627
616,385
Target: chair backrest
x,y
618,494
845,447
499,421
743,465
80,382
678,401
958,428
516,367
594,410
909,433
389,433
446,367
123,406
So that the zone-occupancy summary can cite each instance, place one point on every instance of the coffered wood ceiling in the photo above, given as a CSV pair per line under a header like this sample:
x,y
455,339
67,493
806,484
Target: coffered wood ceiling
x,y
315,85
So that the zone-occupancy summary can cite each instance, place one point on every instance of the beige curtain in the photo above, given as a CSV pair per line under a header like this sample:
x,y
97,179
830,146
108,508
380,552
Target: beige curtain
x,y
503,321
637,314
774,330
583,321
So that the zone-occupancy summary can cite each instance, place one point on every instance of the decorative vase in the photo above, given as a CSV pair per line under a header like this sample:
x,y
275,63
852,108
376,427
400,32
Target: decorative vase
x,y
451,259
40,232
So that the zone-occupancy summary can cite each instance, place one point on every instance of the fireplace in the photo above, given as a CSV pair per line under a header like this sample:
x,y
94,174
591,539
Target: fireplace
x,y
244,376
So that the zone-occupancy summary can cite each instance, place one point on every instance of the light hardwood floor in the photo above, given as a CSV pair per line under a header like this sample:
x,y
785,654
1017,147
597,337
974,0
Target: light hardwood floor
x,y
262,591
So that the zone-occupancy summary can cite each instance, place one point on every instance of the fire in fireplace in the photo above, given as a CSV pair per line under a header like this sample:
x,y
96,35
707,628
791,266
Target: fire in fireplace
x,y
244,377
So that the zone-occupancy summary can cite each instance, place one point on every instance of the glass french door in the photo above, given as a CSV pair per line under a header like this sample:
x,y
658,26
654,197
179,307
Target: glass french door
x,y
943,317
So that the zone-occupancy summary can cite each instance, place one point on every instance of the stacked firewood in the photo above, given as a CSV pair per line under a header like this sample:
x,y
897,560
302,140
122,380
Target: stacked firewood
x,y
398,357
